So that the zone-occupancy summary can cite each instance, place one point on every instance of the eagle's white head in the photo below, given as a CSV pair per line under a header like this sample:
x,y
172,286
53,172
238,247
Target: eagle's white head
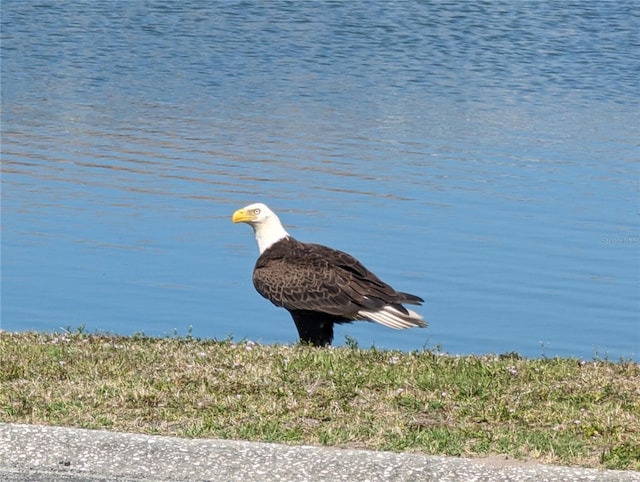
x,y
265,224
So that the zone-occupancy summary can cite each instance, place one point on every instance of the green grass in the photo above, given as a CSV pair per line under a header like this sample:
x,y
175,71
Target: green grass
x,y
562,411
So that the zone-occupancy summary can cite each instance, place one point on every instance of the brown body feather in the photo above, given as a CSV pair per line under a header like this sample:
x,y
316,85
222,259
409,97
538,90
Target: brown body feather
x,y
321,286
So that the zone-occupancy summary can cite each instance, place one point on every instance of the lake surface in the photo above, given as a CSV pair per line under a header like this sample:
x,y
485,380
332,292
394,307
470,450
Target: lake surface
x,y
481,155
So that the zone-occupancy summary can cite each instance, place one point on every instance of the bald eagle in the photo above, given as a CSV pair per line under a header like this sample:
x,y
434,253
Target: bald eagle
x,y
318,285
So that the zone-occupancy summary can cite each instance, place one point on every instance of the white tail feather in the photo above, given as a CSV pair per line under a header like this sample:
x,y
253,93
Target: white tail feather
x,y
393,318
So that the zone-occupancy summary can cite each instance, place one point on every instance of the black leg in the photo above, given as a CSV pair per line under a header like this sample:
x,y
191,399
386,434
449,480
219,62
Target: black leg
x,y
313,327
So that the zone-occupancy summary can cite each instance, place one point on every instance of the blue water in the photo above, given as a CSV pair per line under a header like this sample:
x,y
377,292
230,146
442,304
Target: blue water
x,y
481,155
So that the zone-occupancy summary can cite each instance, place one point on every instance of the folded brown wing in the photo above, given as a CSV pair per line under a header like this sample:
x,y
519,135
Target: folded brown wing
x,y
300,276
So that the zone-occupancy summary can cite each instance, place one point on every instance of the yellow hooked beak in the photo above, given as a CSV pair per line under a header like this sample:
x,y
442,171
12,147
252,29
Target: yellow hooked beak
x,y
242,216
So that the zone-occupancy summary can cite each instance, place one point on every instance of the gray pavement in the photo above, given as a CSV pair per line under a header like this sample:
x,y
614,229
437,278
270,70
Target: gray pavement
x,y
37,453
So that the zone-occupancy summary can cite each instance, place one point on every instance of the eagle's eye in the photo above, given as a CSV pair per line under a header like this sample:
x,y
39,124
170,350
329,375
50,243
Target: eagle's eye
x,y
256,211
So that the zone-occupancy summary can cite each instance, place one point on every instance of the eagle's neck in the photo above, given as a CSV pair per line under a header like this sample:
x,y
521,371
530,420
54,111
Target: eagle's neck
x,y
268,233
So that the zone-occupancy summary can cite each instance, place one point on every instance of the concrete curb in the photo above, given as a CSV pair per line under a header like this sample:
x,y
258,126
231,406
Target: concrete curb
x,y
39,453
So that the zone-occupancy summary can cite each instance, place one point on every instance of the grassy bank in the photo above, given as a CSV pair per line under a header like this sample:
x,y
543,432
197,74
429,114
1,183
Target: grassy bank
x,y
561,411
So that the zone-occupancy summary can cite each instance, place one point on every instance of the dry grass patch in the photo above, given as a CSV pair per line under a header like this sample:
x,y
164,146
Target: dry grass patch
x,y
562,411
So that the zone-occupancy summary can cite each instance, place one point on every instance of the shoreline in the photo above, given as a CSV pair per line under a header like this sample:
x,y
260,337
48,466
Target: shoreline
x,y
563,412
